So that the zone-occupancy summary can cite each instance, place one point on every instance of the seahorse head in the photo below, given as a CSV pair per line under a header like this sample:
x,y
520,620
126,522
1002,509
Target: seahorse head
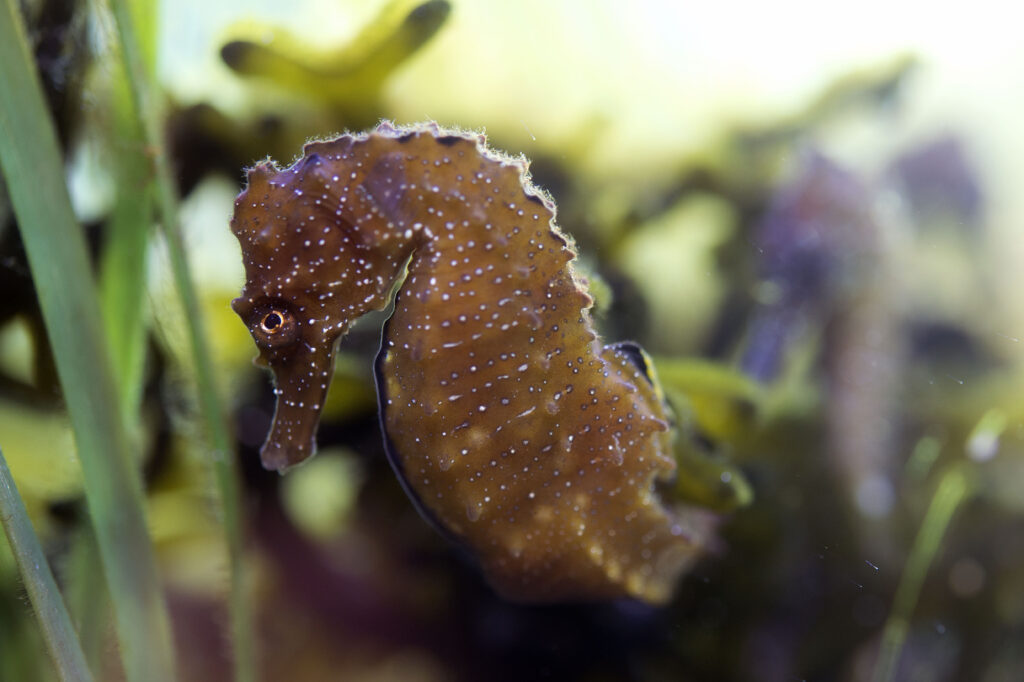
x,y
315,260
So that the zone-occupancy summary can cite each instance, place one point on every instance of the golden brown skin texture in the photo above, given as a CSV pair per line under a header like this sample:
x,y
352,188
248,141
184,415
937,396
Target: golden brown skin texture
x,y
507,421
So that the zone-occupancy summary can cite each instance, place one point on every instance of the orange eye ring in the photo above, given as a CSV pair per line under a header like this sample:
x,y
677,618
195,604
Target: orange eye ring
x,y
274,321
275,327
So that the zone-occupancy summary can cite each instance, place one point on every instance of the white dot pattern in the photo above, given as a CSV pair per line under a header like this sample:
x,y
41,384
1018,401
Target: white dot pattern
x,y
510,423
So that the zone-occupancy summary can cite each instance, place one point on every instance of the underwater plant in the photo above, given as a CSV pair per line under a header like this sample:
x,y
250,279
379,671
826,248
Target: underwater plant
x,y
509,423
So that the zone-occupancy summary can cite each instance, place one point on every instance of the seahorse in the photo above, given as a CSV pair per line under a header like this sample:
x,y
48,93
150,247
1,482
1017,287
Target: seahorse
x,y
509,424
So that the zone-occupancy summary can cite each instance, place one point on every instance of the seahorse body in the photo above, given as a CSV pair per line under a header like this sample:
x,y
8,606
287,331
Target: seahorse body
x,y
506,420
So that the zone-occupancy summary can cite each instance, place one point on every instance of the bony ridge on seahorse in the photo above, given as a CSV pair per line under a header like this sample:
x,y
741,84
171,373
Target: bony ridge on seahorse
x,y
508,422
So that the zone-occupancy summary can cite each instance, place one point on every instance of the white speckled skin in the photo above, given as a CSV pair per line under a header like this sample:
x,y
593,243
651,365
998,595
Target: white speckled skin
x,y
507,420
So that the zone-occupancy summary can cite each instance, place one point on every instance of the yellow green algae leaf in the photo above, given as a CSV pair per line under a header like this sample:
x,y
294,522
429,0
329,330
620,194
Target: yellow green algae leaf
x,y
717,411
40,452
319,497
709,479
723,403
674,253
349,76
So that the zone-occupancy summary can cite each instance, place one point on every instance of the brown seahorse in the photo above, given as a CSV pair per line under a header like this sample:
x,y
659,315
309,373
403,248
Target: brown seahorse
x,y
508,422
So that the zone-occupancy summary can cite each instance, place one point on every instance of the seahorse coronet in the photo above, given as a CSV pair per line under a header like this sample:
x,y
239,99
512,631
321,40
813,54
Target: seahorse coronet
x,y
507,420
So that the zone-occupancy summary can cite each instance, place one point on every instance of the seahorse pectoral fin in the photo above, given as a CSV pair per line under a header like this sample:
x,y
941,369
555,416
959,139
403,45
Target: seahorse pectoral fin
x,y
302,383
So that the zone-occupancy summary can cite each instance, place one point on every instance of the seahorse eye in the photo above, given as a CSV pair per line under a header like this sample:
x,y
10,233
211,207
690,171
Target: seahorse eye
x,y
272,322
274,325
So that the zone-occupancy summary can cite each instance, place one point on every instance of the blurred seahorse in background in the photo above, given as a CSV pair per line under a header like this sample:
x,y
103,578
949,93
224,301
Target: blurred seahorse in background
x,y
508,422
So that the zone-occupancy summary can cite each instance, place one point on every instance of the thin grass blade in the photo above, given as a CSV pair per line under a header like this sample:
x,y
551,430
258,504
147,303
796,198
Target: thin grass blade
x,y
59,634
953,488
55,245
211,407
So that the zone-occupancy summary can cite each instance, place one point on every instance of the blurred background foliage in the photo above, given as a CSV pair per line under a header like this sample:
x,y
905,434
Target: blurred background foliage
x,y
811,221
